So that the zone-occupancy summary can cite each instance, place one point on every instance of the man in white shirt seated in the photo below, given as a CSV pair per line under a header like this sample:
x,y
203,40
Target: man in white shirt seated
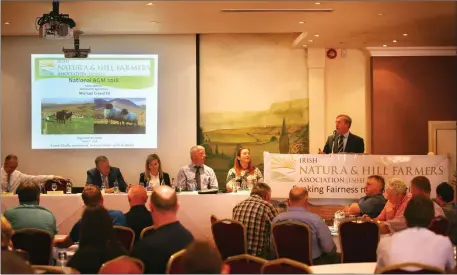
x,y
12,178
416,244
197,176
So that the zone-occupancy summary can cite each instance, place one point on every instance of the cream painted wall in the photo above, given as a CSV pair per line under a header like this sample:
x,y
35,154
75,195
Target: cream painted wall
x,y
176,113
347,92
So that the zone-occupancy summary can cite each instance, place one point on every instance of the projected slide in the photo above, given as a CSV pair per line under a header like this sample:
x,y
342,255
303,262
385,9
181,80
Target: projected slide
x,y
105,101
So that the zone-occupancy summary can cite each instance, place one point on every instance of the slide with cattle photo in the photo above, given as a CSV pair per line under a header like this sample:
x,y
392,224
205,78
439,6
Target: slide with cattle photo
x,y
104,101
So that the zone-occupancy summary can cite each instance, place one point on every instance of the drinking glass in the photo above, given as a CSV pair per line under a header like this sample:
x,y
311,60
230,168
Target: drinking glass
x,y
54,186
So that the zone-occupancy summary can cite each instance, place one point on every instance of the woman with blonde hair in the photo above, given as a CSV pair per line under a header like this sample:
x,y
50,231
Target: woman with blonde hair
x,y
153,175
243,170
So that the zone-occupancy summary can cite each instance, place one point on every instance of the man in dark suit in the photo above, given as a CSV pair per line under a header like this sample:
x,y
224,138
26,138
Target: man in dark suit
x,y
342,141
105,174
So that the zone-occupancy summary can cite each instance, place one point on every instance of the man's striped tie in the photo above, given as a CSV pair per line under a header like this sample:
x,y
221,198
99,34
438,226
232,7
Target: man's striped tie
x,y
340,144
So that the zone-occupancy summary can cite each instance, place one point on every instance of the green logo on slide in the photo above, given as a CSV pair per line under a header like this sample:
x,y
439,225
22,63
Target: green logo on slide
x,y
47,68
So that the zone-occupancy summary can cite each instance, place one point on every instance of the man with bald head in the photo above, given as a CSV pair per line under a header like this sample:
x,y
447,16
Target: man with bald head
x,y
139,216
323,248
197,176
170,236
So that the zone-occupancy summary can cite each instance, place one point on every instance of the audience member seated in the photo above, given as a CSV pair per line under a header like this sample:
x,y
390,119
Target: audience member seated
x,y
197,176
14,264
374,201
155,249
202,258
257,213
104,176
29,214
416,243
323,248
12,178
391,218
91,197
445,198
243,170
7,232
153,175
139,216
420,185
97,243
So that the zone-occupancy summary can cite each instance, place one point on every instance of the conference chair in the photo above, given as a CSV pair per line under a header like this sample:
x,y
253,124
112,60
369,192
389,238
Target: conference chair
x,y
213,219
285,266
125,235
403,269
37,243
146,231
440,225
293,240
359,241
245,264
50,269
175,264
122,265
61,185
230,237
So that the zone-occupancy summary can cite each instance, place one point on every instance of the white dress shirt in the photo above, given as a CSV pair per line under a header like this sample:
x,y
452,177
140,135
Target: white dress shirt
x,y
154,181
418,245
17,177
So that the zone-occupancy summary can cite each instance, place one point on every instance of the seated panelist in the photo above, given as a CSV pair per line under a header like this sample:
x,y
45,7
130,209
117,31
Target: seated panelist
x,y
153,174
104,175
243,170
197,176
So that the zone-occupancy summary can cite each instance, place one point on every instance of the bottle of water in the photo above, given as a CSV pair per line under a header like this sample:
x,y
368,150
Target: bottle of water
x,y
116,187
62,258
69,187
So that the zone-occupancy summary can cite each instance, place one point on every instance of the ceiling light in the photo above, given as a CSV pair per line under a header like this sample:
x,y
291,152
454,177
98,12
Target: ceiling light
x,y
305,46
395,41
153,22
150,4
405,34
7,23
380,14
301,22
316,35
384,45
310,40
317,3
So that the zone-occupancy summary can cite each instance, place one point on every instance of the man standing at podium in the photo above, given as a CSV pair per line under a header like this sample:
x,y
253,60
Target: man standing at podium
x,y
342,141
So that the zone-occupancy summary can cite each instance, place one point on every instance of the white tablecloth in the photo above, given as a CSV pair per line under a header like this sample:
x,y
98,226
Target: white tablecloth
x,y
352,268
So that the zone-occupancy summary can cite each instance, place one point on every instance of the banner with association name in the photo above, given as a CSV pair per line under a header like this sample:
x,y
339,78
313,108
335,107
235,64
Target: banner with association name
x,y
343,176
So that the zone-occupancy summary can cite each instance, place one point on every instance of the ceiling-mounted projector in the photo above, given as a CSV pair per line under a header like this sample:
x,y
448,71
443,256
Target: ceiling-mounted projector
x,y
55,25
76,52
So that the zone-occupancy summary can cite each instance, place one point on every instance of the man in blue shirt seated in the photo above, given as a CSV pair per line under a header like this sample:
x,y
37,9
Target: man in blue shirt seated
x,y
91,196
374,201
323,250
29,214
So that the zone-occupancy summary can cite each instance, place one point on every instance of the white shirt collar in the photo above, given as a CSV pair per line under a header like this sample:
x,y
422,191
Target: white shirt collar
x,y
346,135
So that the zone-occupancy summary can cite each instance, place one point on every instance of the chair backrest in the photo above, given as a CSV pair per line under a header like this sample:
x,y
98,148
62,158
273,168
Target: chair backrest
x,y
175,264
359,241
213,219
293,240
125,235
403,269
50,269
23,254
122,265
440,225
230,237
146,231
37,243
245,264
61,185
285,266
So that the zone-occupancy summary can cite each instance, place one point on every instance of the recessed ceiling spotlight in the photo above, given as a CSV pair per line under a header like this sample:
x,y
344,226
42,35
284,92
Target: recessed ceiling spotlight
x,y
310,40
150,4
317,3
153,22
380,14
405,34
305,46
301,22
316,35
7,23
384,45
395,41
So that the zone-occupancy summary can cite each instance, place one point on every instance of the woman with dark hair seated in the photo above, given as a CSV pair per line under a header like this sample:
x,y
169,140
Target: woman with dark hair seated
x,y
97,242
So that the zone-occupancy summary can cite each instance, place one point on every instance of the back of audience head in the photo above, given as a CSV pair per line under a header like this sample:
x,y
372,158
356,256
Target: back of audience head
x,y
420,185
419,212
298,196
262,190
444,193
396,190
202,258
137,195
96,227
13,264
92,196
7,232
28,191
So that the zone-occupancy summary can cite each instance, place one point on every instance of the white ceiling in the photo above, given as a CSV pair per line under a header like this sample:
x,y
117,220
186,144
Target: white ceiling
x,y
351,24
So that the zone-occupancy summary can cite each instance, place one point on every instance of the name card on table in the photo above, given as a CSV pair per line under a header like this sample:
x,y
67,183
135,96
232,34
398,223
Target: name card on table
x,y
343,176
54,193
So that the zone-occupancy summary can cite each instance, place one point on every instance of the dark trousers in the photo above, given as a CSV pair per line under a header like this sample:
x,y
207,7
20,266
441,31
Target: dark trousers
x,y
328,258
